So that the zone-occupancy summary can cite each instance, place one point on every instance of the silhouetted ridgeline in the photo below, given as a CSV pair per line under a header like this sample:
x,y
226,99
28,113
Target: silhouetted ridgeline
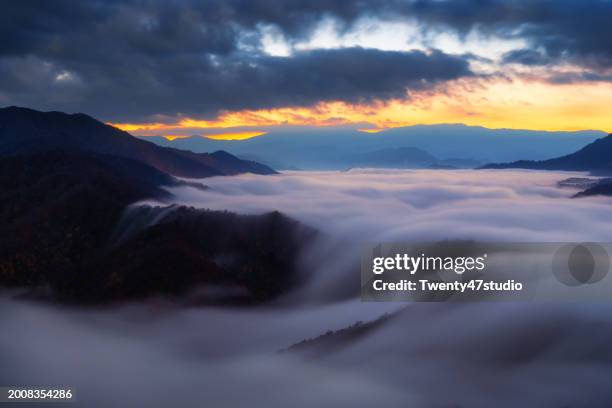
x,y
335,340
59,212
25,130
65,185
595,157
440,146
246,257
602,187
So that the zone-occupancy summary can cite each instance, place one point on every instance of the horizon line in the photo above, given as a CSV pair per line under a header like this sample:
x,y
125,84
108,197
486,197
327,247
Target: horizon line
x,y
266,130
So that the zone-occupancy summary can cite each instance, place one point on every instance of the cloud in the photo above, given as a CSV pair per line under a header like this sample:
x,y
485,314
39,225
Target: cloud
x,y
402,205
158,356
131,60
387,205
154,355
577,77
186,358
526,57
135,60
196,85
573,31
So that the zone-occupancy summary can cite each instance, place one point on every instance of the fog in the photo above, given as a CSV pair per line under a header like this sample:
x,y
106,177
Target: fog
x,y
386,205
360,206
429,355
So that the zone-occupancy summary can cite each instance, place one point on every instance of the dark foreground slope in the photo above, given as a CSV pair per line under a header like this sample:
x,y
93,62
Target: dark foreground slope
x,y
596,158
243,258
61,220
25,131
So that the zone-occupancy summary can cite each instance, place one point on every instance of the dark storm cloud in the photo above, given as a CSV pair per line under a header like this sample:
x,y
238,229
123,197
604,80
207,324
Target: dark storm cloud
x,y
578,31
355,74
196,85
130,60
526,57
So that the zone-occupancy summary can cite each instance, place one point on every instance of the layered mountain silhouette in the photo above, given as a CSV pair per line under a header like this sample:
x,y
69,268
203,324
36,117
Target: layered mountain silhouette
x,y
404,157
25,130
333,148
596,158
68,231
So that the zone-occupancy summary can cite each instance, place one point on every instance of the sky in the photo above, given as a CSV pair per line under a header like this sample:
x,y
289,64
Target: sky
x,y
239,68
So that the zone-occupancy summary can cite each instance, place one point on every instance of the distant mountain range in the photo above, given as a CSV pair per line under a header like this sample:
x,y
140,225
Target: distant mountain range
x,y
402,157
595,158
447,146
25,130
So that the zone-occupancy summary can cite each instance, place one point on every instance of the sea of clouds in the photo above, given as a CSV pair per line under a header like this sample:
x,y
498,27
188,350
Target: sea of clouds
x,y
430,355
387,205
371,206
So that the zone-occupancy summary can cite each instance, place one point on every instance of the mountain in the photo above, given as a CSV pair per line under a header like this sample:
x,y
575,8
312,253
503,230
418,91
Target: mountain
x,y
327,148
596,158
69,231
333,341
65,233
402,157
25,131
601,187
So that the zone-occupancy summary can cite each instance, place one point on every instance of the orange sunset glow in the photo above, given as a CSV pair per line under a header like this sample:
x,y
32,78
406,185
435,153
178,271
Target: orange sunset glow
x,y
234,135
519,104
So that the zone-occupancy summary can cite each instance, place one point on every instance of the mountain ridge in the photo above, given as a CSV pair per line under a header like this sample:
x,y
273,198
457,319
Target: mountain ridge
x,y
327,148
59,214
24,130
596,158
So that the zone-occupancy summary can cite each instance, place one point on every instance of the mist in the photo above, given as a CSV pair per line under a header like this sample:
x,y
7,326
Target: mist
x,y
369,206
429,355
385,205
